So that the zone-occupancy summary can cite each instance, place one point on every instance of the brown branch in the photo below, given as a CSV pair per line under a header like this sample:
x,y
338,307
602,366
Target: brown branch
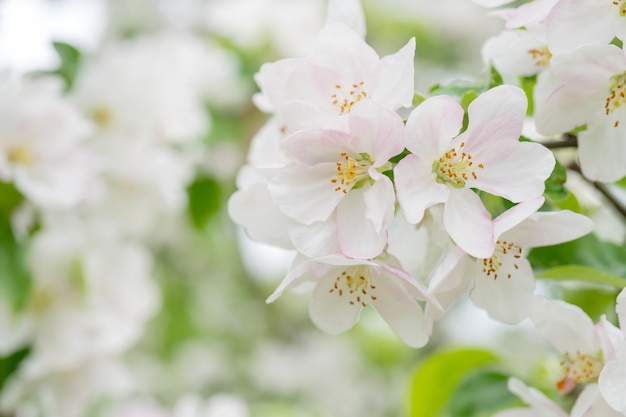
x,y
604,190
568,141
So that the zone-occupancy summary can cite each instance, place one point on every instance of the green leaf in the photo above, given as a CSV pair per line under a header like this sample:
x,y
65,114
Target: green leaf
x,y
607,259
70,62
555,184
204,200
528,85
9,364
418,98
456,89
439,376
581,273
481,394
14,275
496,78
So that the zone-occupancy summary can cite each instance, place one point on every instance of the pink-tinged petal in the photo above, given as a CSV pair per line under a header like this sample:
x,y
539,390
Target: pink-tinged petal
x,y
306,194
515,172
247,206
331,311
527,14
510,53
514,216
612,384
620,309
449,282
492,3
602,150
301,115
468,223
358,237
348,12
570,105
541,405
591,404
316,239
272,78
417,188
394,78
315,146
565,326
380,203
610,338
338,46
432,125
573,23
506,294
549,228
300,271
496,117
377,131
403,315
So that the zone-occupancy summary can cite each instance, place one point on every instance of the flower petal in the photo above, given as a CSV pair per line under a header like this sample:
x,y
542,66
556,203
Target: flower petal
x,y
549,228
416,187
468,223
394,78
507,295
432,125
329,311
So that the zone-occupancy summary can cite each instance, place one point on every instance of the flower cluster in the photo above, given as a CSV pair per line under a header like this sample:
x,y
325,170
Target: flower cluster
x,y
338,177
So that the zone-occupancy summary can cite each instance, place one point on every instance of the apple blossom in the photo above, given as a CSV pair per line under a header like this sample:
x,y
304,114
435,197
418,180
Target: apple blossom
x,y
445,166
574,23
341,71
592,86
339,173
342,287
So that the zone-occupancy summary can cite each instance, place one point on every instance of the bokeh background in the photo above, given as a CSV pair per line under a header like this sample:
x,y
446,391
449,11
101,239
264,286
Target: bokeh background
x,y
183,70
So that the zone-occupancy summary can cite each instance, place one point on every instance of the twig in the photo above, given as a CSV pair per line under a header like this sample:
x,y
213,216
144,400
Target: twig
x,y
569,141
604,190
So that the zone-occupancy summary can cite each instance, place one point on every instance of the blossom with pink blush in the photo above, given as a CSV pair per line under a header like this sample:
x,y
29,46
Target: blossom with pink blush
x,y
446,166
342,287
337,177
341,71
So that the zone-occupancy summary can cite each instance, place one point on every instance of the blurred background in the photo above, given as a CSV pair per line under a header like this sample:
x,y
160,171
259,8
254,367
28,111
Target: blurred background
x,y
166,87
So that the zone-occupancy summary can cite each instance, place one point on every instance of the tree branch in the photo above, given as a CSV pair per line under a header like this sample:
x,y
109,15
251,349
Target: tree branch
x,y
568,141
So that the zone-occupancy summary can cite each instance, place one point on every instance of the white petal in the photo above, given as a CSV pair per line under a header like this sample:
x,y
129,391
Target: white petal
x,y
394,79
620,309
380,203
468,223
377,131
549,228
348,12
403,315
541,405
591,404
612,384
602,149
330,311
305,193
495,117
316,239
567,327
515,215
358,236
432,125
416,187
516,172
247,206
506,298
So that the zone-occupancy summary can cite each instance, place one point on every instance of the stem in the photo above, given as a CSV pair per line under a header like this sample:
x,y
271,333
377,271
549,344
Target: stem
x,y
604,190
568,141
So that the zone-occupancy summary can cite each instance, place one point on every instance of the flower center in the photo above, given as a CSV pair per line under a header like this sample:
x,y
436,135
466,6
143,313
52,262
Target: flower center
x,y
455,167
350,171
102,115
622,6
345,98
354,285
541,56
617,96
579,367
503,250
21,154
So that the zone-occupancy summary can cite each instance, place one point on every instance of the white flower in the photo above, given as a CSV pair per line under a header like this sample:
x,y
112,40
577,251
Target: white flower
x,y
342,287
574,23
337,178
342,70
41,145
488,156
593,83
